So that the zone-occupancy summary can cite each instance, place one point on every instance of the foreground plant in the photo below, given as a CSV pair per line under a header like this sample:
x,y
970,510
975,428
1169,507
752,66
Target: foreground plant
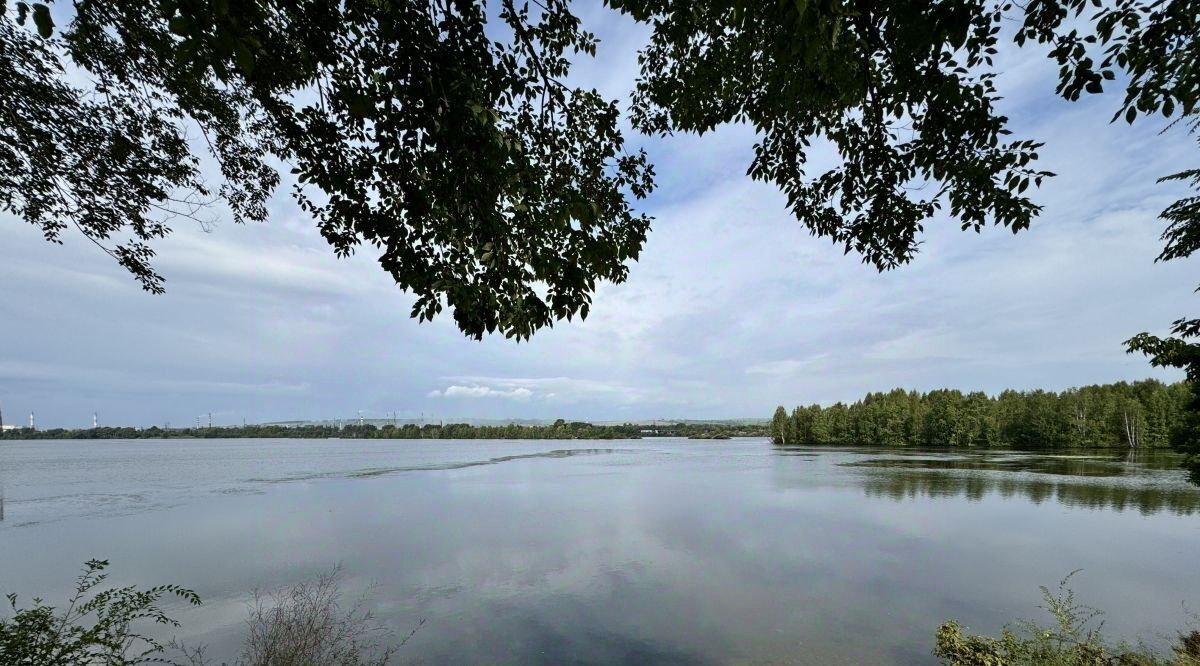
x,y
300,625
94,628
1074,639
305,625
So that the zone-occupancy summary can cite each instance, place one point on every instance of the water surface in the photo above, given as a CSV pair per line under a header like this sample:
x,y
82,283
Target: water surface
x,y
657,551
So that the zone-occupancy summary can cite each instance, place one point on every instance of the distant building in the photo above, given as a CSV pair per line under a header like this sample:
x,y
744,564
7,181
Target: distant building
x,y
8,427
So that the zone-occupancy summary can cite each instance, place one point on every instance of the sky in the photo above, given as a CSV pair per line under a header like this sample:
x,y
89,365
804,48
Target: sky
x,y
732,308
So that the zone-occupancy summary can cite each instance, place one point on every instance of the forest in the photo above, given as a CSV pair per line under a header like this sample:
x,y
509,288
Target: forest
x,y
1135,415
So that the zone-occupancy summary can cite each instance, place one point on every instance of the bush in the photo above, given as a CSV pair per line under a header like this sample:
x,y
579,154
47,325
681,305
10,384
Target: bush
x,y
1074,639
304,625
299,625
95,627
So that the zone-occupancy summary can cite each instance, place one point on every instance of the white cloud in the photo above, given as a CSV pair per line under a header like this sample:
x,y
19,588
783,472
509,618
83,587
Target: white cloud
x,y
561,389
787,367
457,391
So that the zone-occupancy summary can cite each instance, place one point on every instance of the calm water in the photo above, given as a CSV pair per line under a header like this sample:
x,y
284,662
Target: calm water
x,y
653,551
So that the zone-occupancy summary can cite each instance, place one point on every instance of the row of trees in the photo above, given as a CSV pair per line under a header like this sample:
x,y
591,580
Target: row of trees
x,y
560,429
1129,415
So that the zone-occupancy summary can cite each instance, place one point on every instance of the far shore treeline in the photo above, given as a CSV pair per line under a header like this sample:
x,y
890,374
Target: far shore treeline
x,y
560,429
1137,415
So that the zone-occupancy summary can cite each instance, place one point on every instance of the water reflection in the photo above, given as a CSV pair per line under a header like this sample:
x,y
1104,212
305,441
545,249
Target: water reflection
x,y
651,552
1149,486
1061,465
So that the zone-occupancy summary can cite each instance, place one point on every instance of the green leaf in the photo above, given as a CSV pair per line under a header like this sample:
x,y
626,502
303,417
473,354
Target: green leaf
x,y
361,106
41,18
180,25
245,58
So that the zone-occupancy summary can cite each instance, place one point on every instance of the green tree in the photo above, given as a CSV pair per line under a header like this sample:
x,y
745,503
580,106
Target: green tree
x,y
1144,414
801,426
819,430
839,426
451,146
977,421
1178,353
940,426
781,426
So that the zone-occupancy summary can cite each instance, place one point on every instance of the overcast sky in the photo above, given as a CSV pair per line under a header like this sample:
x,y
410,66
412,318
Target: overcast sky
x,y
732,309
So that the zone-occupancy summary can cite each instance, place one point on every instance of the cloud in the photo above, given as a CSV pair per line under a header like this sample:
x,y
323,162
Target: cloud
x,y
457,391
921,345
561,389
786,367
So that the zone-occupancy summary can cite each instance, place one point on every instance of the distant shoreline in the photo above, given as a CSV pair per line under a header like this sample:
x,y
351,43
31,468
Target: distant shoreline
x,y
557,430
596,433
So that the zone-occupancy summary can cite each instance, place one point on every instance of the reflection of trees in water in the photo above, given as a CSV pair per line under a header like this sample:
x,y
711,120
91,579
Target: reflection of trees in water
x,y
1062,465
899,484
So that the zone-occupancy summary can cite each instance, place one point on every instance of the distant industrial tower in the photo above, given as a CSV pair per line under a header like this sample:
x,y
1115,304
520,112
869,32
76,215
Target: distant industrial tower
x,y
95,420
32,426
1,420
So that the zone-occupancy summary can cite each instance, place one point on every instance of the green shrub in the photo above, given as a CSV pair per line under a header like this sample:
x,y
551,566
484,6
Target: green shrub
x,y
94,628
1074,639
300,625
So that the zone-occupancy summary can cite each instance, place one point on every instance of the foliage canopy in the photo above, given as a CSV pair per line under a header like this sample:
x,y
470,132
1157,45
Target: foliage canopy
x,y
441,132
486,183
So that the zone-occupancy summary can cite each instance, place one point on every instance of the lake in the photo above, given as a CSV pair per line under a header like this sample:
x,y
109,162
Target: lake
x,y
653,551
